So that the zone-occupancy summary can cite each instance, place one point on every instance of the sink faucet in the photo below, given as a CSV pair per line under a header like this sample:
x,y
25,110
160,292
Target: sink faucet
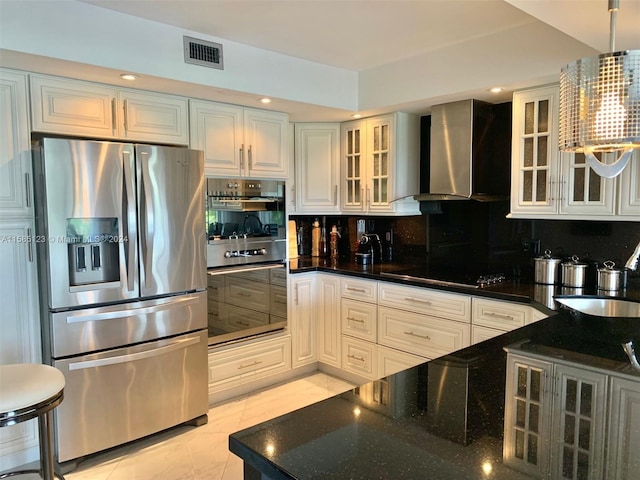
x,y
632,263
629,350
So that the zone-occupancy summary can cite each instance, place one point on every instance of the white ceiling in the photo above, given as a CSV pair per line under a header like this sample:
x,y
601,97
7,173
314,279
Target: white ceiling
x,y
406,54
362,34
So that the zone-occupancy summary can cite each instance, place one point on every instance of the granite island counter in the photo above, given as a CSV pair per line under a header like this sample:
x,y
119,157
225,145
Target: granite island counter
x,y
554,399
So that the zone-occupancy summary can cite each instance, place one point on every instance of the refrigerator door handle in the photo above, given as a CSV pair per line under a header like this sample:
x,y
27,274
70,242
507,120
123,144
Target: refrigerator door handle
x,y
131,312
155,352
147,217
129,208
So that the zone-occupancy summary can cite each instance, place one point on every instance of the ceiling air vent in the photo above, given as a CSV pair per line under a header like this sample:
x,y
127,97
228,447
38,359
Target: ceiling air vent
x,y
201,52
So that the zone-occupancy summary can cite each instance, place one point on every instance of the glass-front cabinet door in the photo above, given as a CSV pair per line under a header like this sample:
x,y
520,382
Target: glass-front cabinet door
x,y
379,156
535,151
353,137
578,426
582,190
527,415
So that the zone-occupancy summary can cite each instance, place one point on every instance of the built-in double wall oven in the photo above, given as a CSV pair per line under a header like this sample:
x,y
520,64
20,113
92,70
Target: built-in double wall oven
x,y
246,258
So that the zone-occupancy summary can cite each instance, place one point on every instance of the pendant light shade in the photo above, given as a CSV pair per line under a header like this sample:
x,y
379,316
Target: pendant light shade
x,y
600,106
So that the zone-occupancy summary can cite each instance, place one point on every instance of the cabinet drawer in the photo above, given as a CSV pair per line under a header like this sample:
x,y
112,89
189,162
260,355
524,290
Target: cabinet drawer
x,y
392,361
359,357
426,301
278,276
246,293
480,334
357,289
278,301
505,316
239,365
358,319
422,335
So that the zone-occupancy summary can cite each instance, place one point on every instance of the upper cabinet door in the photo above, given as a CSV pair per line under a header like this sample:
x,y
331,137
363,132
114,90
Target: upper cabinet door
x,y
317,170
535,158
629,206
71,107
265,144
217,129
379,190
582,191
353,165
153,117
15,149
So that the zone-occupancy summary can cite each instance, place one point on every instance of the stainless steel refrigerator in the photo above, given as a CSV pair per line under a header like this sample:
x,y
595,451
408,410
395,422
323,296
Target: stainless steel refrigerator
x,y
121,251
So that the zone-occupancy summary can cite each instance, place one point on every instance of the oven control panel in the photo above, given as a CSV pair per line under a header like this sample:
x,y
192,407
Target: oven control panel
x,y
245,253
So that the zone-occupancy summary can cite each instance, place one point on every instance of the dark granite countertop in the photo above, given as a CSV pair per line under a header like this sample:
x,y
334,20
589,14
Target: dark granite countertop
x,y
399,427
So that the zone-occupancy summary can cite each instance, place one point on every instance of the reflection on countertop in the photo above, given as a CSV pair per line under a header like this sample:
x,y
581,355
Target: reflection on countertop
x,y
544,401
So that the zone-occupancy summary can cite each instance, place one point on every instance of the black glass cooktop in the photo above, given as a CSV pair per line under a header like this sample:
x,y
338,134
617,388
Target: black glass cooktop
x,y
446,275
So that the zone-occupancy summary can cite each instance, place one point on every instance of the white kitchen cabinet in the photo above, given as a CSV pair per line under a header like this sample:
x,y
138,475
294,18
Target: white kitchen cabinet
x,y
302,323
240,142
358,319
317,167
72,107
419,334
624,430
380,165
20,326
232,365
554,407
547,183
327,308
15,149
630,188
426,301
359,357
392,361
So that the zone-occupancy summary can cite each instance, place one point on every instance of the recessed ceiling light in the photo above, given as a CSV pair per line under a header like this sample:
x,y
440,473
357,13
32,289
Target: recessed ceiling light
x,y
265,100
496,89
128,76
356,115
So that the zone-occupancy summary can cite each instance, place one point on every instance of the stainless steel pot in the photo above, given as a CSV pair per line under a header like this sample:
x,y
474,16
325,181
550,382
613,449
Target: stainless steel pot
x,y
574,273
610,278
546,269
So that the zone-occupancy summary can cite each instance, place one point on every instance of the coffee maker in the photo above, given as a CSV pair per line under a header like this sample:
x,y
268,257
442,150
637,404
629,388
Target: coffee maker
x,y
369,249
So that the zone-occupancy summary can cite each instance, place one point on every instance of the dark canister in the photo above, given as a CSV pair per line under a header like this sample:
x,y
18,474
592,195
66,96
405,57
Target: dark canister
x,y
547,269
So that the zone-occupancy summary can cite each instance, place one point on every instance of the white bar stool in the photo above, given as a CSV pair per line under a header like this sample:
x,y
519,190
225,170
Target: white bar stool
x,y
29,390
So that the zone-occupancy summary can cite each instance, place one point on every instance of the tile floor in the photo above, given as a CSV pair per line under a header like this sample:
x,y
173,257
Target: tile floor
x,y
193,453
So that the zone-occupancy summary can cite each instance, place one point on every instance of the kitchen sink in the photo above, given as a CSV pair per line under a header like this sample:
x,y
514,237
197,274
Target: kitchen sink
x,y
602,307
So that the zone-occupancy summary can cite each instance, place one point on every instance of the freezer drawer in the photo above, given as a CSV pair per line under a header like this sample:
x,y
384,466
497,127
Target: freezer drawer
x,y
77,332
113,397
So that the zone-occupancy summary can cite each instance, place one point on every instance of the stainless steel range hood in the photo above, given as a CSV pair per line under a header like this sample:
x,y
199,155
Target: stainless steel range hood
x,y
469,154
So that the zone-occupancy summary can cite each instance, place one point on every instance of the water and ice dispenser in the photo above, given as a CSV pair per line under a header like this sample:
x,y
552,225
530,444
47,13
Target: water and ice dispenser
x,y
93,248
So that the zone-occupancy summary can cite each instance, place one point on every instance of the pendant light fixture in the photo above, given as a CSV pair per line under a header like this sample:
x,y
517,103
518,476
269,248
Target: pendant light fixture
x,y
600,105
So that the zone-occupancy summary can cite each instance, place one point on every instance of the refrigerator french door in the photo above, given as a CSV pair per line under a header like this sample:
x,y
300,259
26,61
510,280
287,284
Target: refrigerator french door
x,y
123,278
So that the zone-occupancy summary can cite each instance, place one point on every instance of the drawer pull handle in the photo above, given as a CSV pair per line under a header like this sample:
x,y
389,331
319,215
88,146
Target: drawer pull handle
x,y
351,319
256,362
415,300
424,337
244,324
280,301
359,290
499,315
355,357
244,294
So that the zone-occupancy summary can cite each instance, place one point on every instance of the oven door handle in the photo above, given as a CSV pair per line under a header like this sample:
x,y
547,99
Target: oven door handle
x,y
155,352
244,268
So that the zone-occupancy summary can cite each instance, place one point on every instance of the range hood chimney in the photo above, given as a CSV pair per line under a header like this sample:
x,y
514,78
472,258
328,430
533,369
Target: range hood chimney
x,y
469,156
